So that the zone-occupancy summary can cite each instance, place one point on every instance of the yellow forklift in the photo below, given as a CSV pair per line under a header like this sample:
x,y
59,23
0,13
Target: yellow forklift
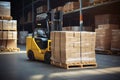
x,y
38,46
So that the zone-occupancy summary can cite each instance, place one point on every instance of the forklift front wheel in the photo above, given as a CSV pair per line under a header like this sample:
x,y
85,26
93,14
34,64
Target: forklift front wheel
x,y
47,57
31,55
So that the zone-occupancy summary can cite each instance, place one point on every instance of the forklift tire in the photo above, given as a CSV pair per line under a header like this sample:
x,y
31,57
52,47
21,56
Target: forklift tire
x,y
31,55
47,57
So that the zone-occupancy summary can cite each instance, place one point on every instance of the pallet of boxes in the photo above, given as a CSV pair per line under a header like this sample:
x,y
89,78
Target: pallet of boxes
x,y
73,49
8,29
107,33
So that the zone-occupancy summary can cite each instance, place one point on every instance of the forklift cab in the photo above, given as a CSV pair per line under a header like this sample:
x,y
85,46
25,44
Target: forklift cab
x,y
41,38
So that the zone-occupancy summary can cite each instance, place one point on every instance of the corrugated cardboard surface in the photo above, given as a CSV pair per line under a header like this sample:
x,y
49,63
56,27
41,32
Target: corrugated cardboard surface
x,y
8,25
8,43
107,19
70,47
8,35
115,42
104,36
5,8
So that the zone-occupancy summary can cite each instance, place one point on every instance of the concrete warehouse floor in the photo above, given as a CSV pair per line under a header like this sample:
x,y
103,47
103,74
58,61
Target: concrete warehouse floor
x,y
16,66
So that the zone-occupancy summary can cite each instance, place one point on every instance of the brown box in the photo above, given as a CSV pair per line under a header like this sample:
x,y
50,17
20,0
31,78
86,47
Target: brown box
x,y
74,5
8,43
14,25
115,42
8,35
8,25
71,47
107,19
70,55
1,25
5,9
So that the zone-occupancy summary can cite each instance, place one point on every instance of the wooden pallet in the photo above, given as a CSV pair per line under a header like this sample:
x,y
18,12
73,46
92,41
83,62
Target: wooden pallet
x,y
115,52
108,52
74,65
6,17
9,49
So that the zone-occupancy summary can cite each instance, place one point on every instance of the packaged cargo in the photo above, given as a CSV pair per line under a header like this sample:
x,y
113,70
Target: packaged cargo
x,y
73,47
5,9
8,44
8,25
115,42
107,19
6,35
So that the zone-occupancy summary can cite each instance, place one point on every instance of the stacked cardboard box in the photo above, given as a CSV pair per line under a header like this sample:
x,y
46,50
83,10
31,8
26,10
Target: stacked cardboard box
x,y
115,42
5,8
88,47
104,35
8,33
8,28
70,6
8,25
107,19
73,47
4,35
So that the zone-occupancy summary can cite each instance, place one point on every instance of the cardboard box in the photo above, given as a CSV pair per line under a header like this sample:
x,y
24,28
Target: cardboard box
x,y
1,25
8,34
8,43
70,47
115,42
8,25
107,19
5,9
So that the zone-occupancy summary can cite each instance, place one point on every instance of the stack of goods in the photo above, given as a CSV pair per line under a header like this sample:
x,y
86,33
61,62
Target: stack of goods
x,y
105,24
73,48
115,42
8,28
70,6
107,19
88,47
41,9
104,36
60,8
5,8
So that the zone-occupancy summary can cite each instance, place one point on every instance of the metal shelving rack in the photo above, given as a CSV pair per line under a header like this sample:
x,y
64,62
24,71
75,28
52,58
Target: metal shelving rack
x,y
92,9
